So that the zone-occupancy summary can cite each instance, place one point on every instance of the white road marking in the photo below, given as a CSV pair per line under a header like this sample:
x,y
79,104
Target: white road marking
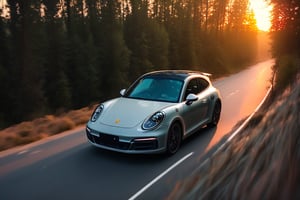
x,y
35,152
22,152
159,177
232,93
28,152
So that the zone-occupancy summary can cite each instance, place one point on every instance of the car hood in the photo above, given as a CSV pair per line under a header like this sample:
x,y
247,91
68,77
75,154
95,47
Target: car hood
x,y
128,113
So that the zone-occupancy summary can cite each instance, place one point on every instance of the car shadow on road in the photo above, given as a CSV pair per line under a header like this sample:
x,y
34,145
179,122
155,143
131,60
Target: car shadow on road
x,y
197,142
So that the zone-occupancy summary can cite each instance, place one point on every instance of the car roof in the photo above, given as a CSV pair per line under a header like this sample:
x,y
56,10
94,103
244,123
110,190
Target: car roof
x,y
177,74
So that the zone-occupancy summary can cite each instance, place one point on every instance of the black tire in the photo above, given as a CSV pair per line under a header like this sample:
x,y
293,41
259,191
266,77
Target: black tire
x,y
174,138
216,115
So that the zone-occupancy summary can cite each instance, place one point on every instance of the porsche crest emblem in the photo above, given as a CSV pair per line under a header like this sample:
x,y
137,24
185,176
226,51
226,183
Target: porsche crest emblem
x,y
117,121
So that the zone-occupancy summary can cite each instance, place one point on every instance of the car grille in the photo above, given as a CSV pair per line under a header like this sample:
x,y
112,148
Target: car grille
x,y
113,142
108,140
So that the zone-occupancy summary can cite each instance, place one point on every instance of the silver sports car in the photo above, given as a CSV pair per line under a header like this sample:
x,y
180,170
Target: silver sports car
x,y
156,113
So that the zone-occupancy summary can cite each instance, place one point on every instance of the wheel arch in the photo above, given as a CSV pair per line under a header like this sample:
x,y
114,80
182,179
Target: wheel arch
x,y
171,137
218,100
180,121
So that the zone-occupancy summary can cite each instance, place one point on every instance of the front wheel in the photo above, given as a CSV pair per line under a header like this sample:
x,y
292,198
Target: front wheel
x,y
174,138
215,115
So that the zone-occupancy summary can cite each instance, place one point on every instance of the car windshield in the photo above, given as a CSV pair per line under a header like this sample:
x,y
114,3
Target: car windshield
x,y
157,89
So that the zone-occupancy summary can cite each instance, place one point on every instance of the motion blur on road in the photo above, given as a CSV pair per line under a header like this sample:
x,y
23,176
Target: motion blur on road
x,y
261,162
68,167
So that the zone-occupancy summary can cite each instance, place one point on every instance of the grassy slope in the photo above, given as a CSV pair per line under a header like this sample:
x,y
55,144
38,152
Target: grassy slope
x,y
261,162
37,129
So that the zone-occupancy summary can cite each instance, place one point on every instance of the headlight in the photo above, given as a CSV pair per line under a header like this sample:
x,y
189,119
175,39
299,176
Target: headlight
x,y
97,113
153,121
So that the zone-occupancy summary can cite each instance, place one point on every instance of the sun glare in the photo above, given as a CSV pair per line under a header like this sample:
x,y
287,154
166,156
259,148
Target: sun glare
x,y
3,8
262,11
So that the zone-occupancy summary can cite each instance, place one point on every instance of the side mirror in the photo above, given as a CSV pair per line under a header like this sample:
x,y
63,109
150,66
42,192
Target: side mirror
x,y
191,98
122,92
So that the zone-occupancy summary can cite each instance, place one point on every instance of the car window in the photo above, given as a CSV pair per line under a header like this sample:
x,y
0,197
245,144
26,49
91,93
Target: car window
x,y
195,86
157,89
192,88
141,87
202,84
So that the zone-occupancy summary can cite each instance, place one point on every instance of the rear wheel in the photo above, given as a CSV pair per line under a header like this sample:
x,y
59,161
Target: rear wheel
x,y
215,115
174,138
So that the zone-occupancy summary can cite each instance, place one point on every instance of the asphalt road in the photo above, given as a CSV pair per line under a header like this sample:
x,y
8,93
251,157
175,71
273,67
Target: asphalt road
x,y
66,166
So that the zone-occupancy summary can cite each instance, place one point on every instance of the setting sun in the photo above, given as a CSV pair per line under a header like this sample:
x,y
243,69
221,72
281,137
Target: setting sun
x,y
262,11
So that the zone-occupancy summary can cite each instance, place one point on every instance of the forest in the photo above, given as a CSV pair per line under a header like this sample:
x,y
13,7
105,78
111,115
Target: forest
x,y
286,42
57,55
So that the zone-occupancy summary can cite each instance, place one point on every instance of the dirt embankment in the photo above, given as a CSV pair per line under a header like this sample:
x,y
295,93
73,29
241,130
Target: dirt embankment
x,y
261,162
30,131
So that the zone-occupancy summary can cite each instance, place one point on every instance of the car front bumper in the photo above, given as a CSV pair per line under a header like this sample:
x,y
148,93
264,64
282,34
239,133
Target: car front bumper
x,y
155,143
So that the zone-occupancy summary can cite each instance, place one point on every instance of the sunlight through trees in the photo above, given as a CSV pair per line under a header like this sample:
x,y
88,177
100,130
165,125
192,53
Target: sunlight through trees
x,y
64,54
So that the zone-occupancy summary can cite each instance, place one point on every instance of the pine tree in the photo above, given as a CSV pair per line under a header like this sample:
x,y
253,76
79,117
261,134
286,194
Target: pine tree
x,y
115,54
27,59
4,75
286,27
136,38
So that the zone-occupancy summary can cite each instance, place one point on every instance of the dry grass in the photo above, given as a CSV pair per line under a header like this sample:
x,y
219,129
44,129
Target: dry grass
x,y
27,132
262,162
